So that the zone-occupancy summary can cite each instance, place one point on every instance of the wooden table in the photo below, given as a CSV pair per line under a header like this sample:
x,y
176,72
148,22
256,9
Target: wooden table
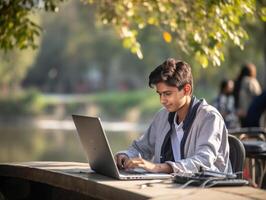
x,y
72,180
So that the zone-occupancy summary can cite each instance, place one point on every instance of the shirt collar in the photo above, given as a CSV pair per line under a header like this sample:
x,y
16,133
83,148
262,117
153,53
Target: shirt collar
x,y
175,122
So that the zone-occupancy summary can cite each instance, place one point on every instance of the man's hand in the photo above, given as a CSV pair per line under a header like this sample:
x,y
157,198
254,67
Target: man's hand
x,y
121,159
148,166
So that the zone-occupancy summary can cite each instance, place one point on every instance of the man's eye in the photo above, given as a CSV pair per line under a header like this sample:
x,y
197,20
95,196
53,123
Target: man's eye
x,y
165,94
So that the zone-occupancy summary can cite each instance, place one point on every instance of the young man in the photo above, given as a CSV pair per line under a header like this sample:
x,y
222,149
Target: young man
x,y
186,135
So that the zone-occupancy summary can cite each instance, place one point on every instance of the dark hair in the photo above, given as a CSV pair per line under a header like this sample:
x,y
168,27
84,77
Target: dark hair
x,y
223,84
173,73
246,70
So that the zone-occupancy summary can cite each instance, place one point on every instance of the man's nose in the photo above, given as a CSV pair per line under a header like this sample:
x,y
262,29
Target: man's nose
x,y
162,99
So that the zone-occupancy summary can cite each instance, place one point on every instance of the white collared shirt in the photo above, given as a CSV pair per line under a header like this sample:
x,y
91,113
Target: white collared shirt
x,y
176,138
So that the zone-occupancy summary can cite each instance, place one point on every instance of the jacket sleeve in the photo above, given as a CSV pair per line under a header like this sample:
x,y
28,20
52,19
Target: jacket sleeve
x,y
210,136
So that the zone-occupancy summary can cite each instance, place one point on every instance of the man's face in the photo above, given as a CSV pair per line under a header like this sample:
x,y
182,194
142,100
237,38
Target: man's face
x,y
170,97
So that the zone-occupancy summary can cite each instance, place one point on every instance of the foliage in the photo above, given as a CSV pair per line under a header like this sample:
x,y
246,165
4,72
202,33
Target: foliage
x,y
200,28
73,53
13,68
69,55
19,35
75,44
118,104
17,27
20,104
112,105
109,105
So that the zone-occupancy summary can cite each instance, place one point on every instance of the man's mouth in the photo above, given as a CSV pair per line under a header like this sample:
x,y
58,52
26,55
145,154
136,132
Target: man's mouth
x,y
167,106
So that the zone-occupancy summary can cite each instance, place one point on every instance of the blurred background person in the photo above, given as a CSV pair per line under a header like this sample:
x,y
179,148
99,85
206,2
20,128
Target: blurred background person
x,y
256,114
246,88
225,103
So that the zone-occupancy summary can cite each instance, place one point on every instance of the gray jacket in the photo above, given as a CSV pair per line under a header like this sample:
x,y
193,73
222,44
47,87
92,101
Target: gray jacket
x,y
206,145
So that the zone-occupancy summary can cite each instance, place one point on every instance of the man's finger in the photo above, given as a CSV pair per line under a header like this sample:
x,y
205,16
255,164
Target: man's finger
x,y
132,163
119,161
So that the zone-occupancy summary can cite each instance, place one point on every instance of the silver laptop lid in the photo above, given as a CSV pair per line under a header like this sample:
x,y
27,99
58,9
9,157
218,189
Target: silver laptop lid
x,y
96,146
98,151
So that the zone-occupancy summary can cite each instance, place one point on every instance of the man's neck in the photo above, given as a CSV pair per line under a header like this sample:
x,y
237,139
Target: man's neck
x,y
182,112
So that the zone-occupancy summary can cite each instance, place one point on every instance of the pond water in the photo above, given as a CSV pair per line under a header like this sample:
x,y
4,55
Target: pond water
x,y
19,144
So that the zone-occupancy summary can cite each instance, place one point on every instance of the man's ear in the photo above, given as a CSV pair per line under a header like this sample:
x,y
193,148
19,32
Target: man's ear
x,y
187,89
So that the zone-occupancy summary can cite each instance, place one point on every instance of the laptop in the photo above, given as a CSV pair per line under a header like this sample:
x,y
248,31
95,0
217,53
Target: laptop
x,y
99,154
